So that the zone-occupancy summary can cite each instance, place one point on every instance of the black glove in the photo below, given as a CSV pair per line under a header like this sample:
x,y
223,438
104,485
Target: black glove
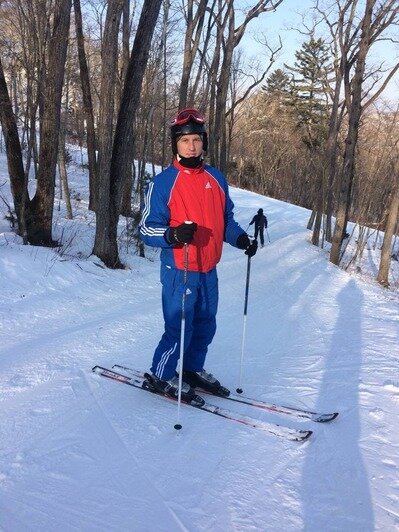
x,y
182,234
243,242
252,249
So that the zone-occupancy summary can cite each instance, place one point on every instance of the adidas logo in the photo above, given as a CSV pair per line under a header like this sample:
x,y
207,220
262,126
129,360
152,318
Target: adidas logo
x,y
208,185
188,292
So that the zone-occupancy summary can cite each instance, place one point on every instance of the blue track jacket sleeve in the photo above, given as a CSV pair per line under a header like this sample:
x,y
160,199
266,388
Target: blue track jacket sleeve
x,y
155,216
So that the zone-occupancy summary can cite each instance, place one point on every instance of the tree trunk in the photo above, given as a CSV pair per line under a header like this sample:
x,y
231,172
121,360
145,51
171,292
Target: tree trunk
x,y
355,111
104,240
14,153
39,224
211,88
331,152
191,43
106,233
88,107
63,171
311,220
166,8
390,228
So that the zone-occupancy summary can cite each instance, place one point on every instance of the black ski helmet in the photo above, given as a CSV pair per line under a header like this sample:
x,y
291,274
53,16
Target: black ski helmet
x,y
260,211
188,122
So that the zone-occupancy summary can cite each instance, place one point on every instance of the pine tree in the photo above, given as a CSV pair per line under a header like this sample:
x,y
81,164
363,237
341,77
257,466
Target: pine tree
x,y
278,83
308,99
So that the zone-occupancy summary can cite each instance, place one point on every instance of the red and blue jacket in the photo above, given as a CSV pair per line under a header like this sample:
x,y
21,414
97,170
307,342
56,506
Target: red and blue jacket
x,y
200,195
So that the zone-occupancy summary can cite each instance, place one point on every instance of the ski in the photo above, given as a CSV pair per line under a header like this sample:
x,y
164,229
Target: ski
x,y
264,405
139,382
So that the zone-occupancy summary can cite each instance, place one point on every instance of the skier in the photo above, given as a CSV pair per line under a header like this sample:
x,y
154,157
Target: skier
x,y
188,208
260,222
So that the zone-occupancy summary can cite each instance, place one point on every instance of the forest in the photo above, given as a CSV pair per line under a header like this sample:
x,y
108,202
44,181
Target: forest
x,y
107,76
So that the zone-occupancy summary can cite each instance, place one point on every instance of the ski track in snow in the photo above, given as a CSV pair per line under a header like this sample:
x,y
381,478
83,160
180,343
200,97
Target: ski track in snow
x,y
143,473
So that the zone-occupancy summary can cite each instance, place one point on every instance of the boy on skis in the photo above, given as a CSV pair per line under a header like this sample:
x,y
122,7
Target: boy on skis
x,y
188,210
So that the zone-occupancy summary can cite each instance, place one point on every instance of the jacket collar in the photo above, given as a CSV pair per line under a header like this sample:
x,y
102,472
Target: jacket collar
x,y
186,170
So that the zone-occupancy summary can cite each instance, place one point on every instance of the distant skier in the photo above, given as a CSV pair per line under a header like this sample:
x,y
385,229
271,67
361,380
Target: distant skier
x,y
260,222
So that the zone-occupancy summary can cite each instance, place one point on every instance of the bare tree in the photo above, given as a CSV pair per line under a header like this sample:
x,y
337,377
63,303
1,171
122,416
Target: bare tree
x,y
39,221
391,228
88,106
344,24
109,55
371,26
14,153
62,166
230,42
240,90
166,8
271,158
194,25
106,246
33,27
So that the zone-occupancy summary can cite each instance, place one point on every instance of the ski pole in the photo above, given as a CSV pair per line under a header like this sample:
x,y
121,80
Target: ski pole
x,y
246,230
239,389
178,425
268,237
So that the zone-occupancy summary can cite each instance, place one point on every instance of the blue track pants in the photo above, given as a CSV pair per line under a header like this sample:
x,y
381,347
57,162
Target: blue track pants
x,y
201,303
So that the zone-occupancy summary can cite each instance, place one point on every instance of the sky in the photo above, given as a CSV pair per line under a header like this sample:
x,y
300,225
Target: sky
x,y
286,21
82,453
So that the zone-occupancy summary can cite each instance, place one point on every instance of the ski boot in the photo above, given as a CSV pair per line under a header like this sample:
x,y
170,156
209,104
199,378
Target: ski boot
x,y
171,388
206,381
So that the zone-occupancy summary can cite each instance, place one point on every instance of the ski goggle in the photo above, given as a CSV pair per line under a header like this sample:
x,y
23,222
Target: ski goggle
x,y
188,115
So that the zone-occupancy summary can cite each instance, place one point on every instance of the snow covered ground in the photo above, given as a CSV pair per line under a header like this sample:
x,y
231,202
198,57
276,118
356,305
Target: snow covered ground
x,y
82,453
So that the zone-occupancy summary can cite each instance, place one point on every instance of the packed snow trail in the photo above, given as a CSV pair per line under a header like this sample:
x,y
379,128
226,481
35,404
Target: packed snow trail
x,y
76,454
